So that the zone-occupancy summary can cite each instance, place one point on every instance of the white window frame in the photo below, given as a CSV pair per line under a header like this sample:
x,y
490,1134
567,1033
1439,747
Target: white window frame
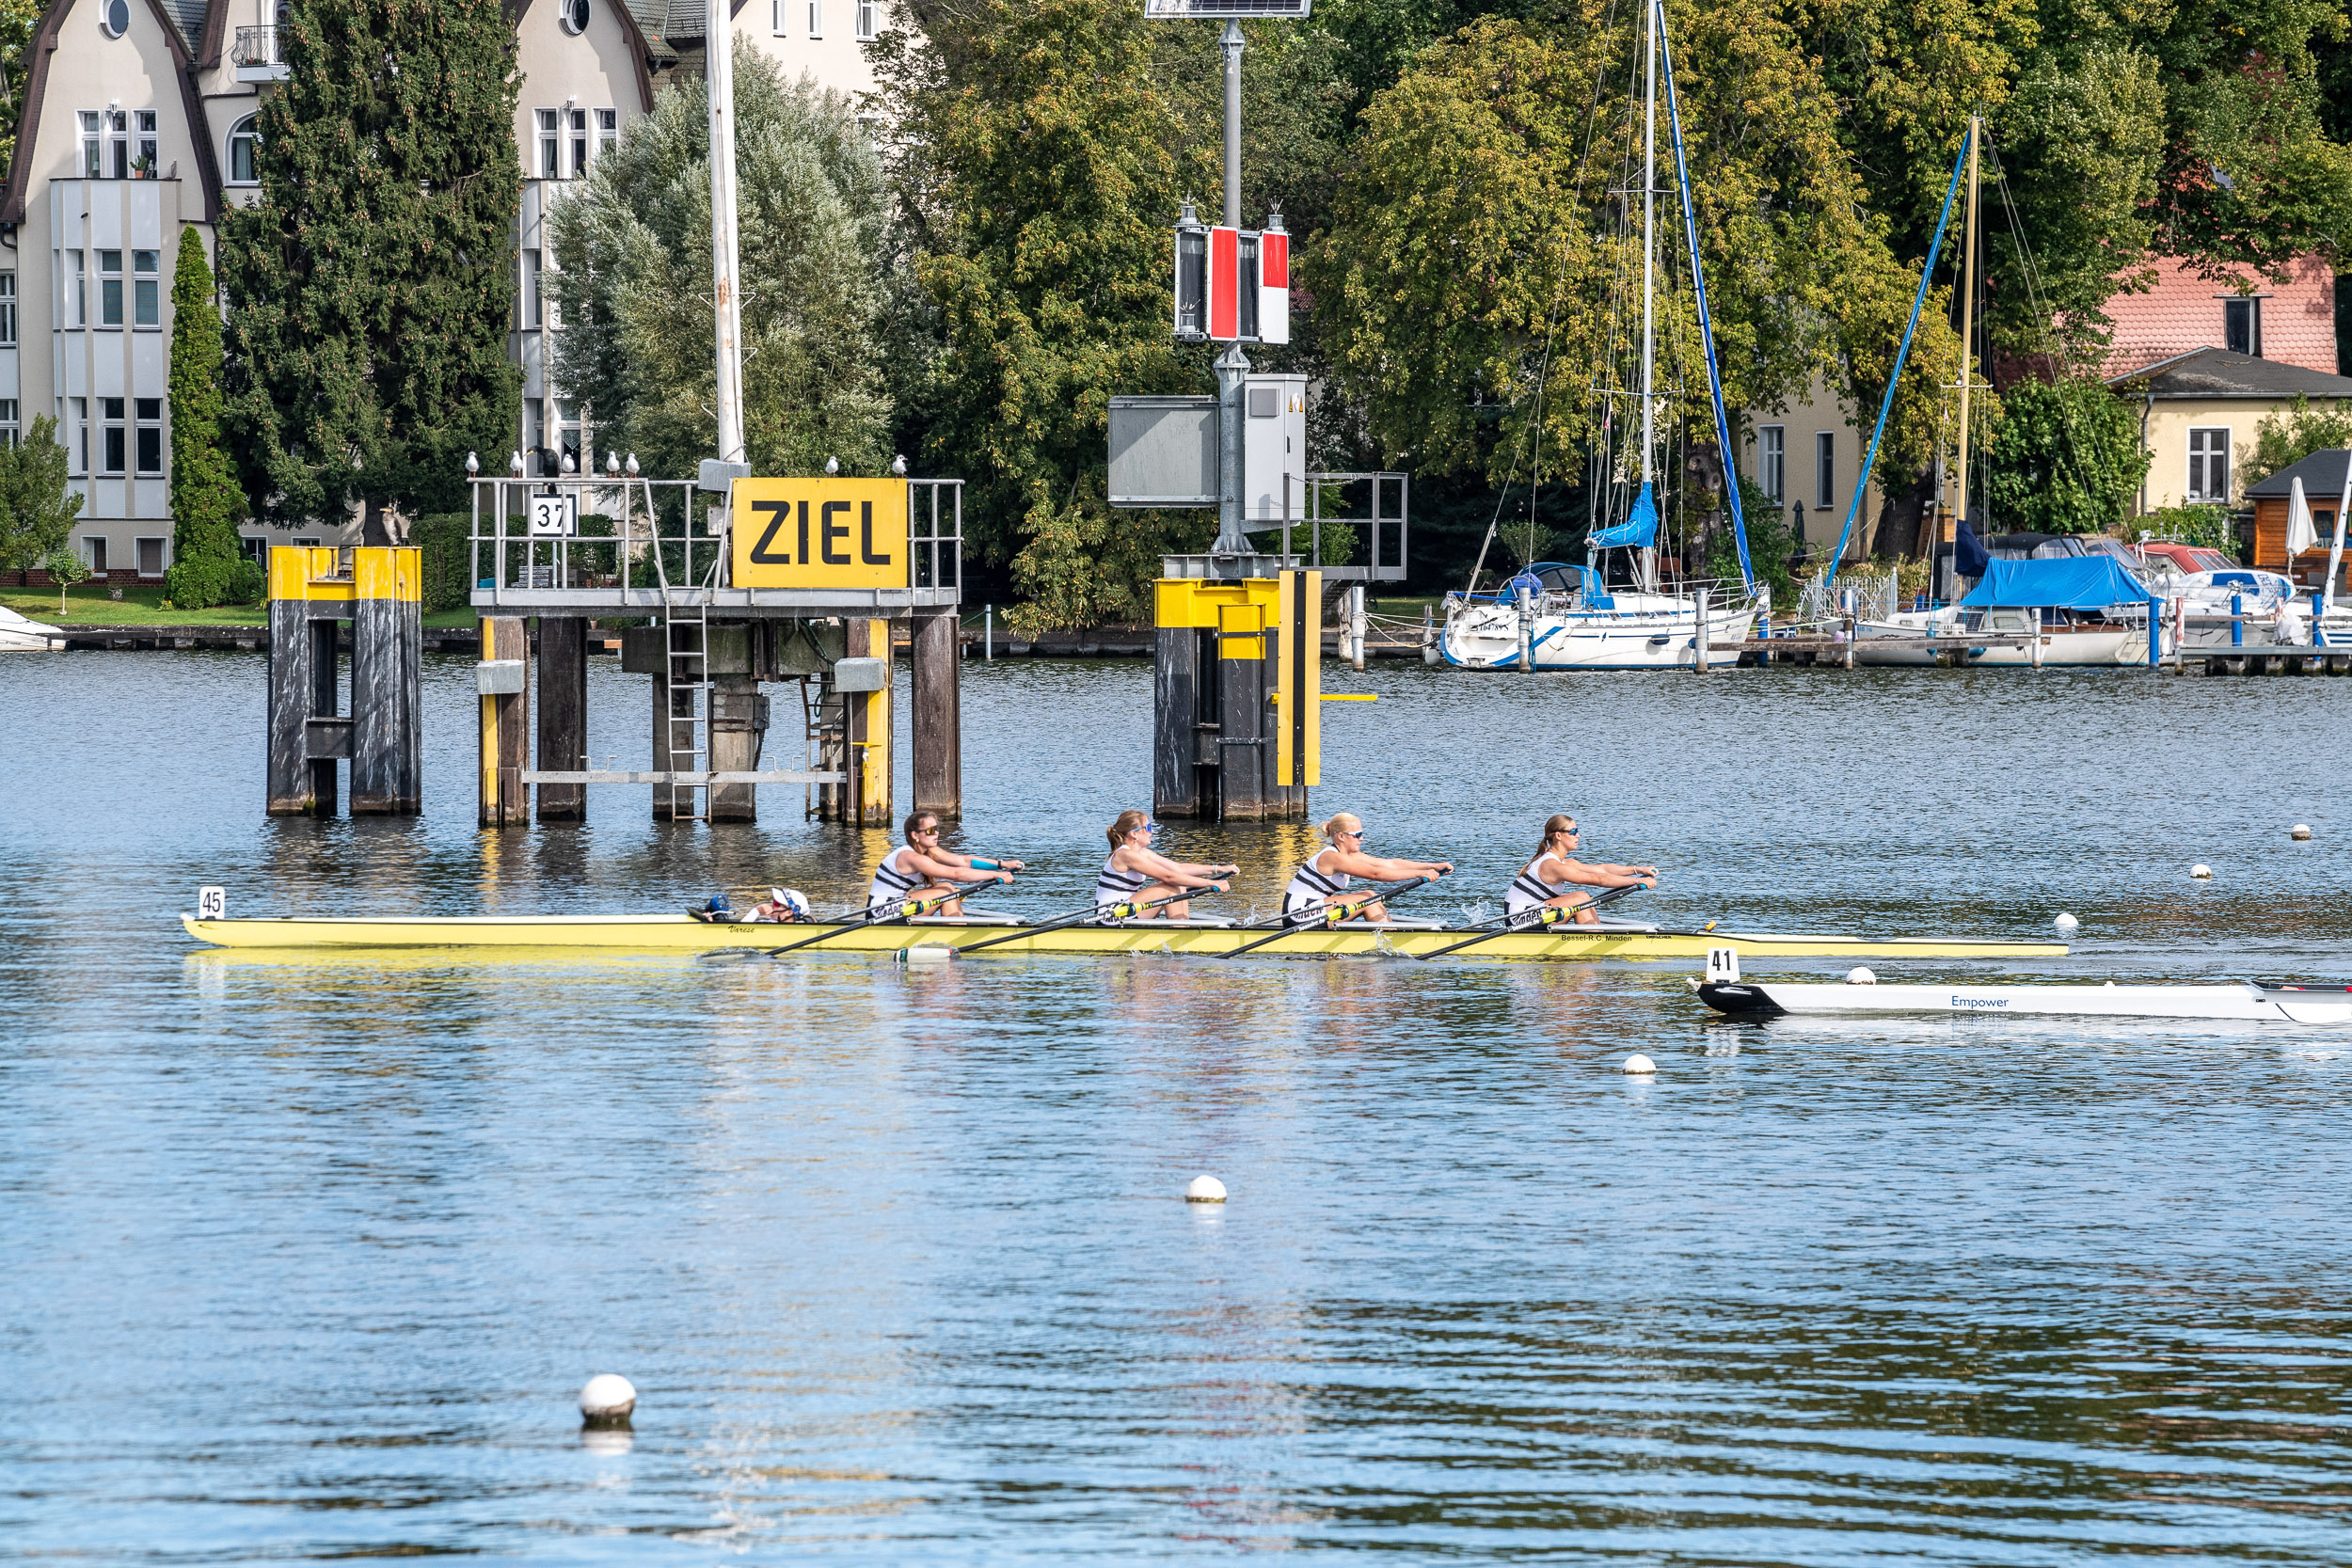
x,y
76,311
1824,470
141,423
77,410
551,127
868,13
247,131
2200,457
575,132
147,291
2253,324
94,553
7,307
532,298
148,148
607,131
163,555
114,419
106,273
11,427
93,166
1771,462
817,19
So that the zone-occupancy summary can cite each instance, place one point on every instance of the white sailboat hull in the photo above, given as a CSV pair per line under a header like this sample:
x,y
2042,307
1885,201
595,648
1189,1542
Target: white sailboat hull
x,y
19,635
1644,631
2239,1002
2068,647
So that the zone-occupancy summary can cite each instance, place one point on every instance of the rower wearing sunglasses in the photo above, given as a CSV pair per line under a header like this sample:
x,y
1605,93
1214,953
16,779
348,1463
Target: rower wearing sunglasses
x,y
1320,885
1138,873
921,868
1555,878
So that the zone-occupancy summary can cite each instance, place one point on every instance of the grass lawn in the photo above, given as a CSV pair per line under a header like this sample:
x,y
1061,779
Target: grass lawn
x,y
88,606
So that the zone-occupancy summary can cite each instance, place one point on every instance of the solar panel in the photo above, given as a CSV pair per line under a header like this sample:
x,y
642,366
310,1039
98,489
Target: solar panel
x,y
1196,11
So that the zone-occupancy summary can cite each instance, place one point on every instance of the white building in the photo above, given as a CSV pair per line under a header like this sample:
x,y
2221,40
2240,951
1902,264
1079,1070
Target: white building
x,y
138,120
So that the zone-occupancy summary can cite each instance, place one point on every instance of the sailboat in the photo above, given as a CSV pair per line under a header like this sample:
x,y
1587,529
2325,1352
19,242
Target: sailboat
x,y
2089,611
1559,617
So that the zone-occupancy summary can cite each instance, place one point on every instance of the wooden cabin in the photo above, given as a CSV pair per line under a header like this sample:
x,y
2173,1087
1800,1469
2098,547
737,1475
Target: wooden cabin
x,y
2322,477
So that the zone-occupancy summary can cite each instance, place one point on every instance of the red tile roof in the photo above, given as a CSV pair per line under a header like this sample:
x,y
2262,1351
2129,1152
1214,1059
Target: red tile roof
x,y
2184,312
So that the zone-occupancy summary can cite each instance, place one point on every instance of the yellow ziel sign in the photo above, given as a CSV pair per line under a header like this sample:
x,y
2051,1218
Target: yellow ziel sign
x,y
821,533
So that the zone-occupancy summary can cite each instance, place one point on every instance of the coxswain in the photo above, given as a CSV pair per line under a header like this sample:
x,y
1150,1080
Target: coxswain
x,y
785,906
1553,879
1138,873
1318,890
920,869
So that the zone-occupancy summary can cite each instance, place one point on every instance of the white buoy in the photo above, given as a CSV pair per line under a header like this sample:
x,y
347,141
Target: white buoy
x,y
1205,1189
2200,872
1858,975
1640,1066
2301,829
928,955
2066,922
608,1400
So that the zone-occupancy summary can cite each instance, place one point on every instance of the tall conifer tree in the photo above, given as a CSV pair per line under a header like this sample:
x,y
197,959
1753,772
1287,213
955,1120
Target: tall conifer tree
x,y
205,501
371,288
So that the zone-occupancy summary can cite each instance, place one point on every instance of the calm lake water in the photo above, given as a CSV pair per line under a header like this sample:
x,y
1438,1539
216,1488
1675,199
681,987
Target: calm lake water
x,y
310,1260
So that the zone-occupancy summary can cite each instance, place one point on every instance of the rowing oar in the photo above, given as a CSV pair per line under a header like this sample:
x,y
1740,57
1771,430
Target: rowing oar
x,y
1092,912
1332,915
1550,914
906,910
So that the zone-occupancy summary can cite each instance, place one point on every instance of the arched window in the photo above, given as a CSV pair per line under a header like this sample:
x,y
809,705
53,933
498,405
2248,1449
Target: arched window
x,y
243,139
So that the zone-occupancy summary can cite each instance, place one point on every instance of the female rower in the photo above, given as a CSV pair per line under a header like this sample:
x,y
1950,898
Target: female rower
x,y
1136,873
1553,879
1319,886
921,868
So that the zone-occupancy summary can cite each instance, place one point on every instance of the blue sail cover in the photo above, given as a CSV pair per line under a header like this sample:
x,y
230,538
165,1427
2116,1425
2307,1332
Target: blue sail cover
x,y
2079,582
1639,530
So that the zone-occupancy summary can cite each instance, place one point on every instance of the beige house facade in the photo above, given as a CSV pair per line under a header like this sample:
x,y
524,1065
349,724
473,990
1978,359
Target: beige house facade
x,y
1807,457
2198,413
138,120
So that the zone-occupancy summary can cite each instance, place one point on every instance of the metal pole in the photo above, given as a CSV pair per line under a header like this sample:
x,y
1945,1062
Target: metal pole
x,y
1231,44
719,66
1232,366
988,633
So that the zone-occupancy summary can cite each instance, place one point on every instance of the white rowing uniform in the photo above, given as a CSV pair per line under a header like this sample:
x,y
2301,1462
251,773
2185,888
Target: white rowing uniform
x,y
1310,886
891,884
1527,890
1115,886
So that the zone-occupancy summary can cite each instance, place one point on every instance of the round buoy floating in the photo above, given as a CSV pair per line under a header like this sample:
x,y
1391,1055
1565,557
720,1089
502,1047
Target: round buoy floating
x,y
608,1400
1640,1066
929,956
2065,922
1858,975
2200,872
2300,831
1205,1189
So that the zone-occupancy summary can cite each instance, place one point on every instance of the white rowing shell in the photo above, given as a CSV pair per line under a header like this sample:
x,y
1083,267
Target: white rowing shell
x,y
2243,1003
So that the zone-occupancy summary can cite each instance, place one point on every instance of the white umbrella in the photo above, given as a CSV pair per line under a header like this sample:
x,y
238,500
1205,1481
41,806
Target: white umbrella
x,y
2301,536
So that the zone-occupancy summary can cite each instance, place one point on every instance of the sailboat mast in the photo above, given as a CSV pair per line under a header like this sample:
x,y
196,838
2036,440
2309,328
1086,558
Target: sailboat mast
x,y
1967,322
1649,236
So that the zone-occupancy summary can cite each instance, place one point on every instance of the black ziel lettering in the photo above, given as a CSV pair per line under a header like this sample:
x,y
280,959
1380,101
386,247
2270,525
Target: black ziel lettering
x,y
831,531
777,512
865,536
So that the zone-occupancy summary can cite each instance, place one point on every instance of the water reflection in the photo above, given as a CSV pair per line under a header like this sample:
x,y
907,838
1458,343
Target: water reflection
x,y
309,1256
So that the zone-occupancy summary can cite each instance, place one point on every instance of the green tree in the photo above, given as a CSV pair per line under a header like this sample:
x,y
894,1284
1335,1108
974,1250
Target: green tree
x,y
2066,458
207,564
633,245
371,289
18,19
1044,166
2282,440
37,501
1482,274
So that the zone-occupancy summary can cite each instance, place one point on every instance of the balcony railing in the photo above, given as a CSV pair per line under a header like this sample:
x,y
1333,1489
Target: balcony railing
x,y
257,46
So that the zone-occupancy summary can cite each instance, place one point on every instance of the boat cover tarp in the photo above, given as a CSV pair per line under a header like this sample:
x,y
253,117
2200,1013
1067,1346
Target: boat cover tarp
x,y
1638,531
2076,582
1968,555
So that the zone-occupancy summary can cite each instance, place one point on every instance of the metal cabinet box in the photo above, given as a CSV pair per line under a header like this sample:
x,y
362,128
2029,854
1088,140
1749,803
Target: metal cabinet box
x,y
1163,452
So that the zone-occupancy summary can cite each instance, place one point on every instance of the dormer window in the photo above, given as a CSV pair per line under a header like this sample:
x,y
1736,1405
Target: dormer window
x,y
2242,326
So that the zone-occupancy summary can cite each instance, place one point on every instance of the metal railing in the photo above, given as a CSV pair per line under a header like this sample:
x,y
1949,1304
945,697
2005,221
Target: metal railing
x,y
647,541
255,46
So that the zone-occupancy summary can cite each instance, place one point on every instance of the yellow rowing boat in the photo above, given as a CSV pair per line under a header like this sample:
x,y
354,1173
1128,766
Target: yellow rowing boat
x,y
661,933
